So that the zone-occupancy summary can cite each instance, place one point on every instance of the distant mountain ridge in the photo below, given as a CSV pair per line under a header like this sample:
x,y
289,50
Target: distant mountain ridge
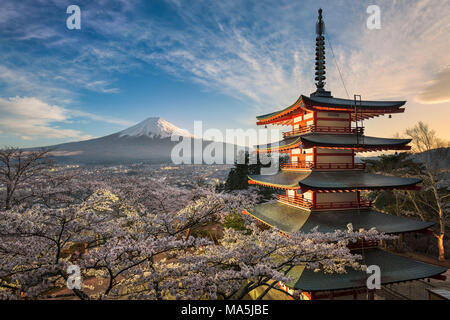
x,y
442,155
147,141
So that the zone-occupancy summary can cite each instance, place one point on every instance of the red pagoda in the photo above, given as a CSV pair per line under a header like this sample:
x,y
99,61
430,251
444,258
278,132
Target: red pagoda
x,y
322,184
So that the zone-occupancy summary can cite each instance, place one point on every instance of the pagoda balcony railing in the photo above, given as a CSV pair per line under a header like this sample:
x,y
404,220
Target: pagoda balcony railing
x,y
363,243
296,201
343,205
312,165
307,204
326,129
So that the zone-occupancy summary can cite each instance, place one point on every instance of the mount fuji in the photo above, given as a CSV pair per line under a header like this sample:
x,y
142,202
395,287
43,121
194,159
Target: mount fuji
x,y
148,141
154,127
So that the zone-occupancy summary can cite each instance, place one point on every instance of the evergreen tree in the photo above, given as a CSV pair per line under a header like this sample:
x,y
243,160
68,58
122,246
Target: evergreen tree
x,y
244,166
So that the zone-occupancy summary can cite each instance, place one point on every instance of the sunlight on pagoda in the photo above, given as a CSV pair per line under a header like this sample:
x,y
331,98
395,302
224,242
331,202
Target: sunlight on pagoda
x,y
322,185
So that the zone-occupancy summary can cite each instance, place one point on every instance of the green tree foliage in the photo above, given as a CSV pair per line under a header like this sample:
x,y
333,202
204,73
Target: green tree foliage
x,y
235,221
394,202
238,176
399,164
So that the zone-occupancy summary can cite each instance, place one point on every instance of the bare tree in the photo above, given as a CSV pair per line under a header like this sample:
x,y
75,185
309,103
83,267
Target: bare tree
x,y
17,169
433,153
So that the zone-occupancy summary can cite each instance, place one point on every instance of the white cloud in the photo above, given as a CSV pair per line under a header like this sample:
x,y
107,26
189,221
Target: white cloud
x,y
397,60
100,86
121,122
28,83
269,62
267,69
262,54
8,13
32,118
438,90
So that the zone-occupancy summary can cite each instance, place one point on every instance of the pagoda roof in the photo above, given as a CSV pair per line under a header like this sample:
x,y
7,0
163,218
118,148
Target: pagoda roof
x,y
289,109
370,108
394,269
290,219
283,179
350,103
361,142
351,140
282,145
333,180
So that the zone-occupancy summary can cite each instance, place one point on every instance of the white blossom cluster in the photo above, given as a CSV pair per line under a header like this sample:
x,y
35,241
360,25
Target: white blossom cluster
x,y
132,235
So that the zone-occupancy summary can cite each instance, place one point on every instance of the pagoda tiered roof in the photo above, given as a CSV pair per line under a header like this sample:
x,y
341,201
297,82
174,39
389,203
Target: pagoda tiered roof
x,y
394,269
333,180
290,219
365,109
360,143
323,186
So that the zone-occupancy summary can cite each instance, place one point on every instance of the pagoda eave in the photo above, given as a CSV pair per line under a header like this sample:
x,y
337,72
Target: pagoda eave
x,y
351,141
286,149
395,269
358,180
351,108
289,219
364,109
412,187
273,185
349,104
282,121
279,117
373,149
284,145
333,180
359,143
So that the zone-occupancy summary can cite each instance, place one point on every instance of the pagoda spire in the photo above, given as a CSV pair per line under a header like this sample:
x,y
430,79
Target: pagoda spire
x,y
320,58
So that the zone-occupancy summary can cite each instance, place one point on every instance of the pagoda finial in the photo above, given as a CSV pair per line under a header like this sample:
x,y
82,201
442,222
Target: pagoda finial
x,y
320,58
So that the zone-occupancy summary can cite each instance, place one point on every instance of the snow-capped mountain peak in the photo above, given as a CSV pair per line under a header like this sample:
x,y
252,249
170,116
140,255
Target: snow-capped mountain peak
x,y
154,127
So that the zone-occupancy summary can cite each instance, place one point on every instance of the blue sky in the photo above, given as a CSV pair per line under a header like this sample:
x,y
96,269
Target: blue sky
x,y
222,62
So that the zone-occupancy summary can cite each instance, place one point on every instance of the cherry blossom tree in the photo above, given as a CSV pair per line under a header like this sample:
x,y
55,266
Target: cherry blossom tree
x,y
246,261
17,169
131,235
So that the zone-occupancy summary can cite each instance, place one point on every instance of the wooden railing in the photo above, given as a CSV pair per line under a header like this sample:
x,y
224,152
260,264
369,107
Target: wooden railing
x,y
327,129
363,244
298,165
307,204
297,201
312,165
343,204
